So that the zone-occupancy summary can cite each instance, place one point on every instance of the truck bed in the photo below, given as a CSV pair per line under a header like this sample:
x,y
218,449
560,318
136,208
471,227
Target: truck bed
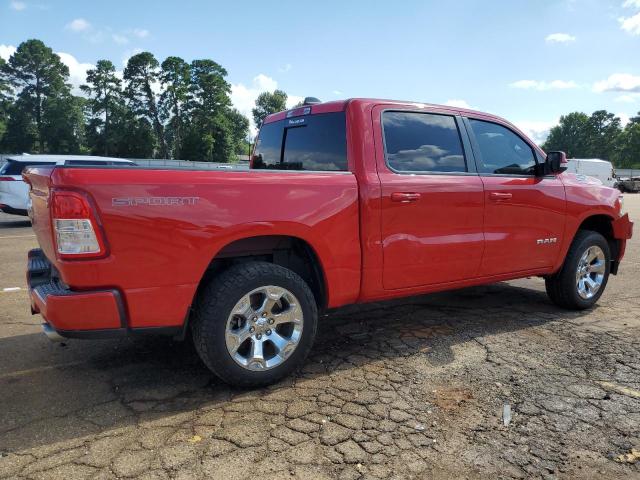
x,y
163,227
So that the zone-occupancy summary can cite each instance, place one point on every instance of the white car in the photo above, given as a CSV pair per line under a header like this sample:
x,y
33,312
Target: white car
x,y
593,167
14,192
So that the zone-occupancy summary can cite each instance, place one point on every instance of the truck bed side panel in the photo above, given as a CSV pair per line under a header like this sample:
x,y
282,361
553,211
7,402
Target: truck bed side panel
x,y
164,227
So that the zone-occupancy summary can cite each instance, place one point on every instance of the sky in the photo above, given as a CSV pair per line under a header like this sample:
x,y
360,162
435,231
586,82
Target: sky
x,y
527,61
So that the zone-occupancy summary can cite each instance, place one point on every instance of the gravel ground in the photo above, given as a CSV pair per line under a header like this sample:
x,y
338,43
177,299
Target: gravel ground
x,y
410,389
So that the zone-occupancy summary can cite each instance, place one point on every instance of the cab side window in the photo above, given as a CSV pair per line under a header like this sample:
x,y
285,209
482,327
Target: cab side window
x,y
422,142
502,152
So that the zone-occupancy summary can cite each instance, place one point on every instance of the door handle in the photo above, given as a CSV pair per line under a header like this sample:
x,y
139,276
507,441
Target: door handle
x,y
497,196
405,197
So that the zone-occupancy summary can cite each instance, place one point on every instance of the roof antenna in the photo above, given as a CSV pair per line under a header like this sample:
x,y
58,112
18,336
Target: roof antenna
x,y
311,101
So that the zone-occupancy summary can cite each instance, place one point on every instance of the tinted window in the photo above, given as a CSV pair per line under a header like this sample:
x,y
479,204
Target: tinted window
x,y
15,168
501,150
96,162
422,142
268,146
313,142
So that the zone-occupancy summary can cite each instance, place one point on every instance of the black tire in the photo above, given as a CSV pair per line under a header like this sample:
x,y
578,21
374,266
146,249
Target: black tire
x,y
562,288
214,304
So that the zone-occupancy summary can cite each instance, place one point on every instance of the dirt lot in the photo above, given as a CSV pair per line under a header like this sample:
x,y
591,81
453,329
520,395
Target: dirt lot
x,y
412,389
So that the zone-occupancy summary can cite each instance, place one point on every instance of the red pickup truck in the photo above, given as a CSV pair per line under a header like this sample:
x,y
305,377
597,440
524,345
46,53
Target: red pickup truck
x,y
344,202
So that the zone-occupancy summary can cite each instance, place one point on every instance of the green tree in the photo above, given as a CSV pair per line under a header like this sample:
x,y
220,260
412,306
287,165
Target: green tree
x,y
5,98
175,77
239,128
570,136
629,155
268,103
21,133
38,75
64,124
104,91
135,136
603,130
141,74
209,135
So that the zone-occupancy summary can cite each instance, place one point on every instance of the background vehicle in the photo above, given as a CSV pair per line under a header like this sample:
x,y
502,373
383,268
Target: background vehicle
x,y
593,167
346,202
631,184
14,192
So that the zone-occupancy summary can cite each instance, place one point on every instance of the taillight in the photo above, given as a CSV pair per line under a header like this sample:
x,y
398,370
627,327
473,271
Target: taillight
x,y
7,179
77,233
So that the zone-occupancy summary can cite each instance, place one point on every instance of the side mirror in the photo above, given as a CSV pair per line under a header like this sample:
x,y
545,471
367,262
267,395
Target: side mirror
x,y
556,162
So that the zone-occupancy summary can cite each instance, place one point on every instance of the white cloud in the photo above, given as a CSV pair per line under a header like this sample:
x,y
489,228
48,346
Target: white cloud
x,y
78,25
119,39
17,5
631,3
624,118
6,51
536,131
77,71
140,32
631,24
541,85
336,92
458,103
628,98
286,68
244,97
293,100
560,38
618,82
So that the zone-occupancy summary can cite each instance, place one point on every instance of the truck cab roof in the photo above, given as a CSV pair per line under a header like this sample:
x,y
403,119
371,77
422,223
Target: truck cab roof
x,y
341,105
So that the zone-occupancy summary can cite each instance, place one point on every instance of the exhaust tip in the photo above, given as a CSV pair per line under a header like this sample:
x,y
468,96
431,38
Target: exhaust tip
x,y
51,334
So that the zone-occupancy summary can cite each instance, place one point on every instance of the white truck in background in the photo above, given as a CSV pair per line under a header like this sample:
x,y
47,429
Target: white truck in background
x,y
594,167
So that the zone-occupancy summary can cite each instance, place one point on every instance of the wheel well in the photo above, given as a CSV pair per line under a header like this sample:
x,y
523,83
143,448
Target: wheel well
x,y
603,225
289,252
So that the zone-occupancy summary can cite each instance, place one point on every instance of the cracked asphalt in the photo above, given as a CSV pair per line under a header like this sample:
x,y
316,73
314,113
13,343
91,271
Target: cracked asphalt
x,y
405,389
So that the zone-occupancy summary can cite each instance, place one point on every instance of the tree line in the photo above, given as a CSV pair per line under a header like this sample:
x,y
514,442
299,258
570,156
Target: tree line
x,y
173,109
599,135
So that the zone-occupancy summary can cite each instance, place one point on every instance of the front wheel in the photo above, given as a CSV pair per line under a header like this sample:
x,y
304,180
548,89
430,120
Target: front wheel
x,y
584,274
254,323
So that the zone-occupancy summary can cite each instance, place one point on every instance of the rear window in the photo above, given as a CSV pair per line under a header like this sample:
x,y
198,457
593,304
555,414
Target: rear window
x,y
312,142
15,168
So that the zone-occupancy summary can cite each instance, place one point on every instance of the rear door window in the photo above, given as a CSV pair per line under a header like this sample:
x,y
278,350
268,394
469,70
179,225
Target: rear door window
x,y
15,168
312,142
422,142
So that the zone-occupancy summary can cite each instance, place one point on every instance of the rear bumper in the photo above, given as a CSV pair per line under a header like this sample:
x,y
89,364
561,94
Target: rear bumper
x,y
78,314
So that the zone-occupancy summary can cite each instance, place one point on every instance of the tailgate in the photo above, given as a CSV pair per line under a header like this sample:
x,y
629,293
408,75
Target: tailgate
x,y
39,179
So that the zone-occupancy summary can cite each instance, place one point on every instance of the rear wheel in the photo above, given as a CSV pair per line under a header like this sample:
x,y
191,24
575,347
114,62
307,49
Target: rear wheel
x,y
584,274
254,323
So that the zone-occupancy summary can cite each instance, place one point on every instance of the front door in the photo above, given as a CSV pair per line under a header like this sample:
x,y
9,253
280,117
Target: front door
x,y
432,200
524,214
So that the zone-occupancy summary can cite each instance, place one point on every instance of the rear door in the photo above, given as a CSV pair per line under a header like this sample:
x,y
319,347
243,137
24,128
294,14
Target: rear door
x,y
524,214
432,198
